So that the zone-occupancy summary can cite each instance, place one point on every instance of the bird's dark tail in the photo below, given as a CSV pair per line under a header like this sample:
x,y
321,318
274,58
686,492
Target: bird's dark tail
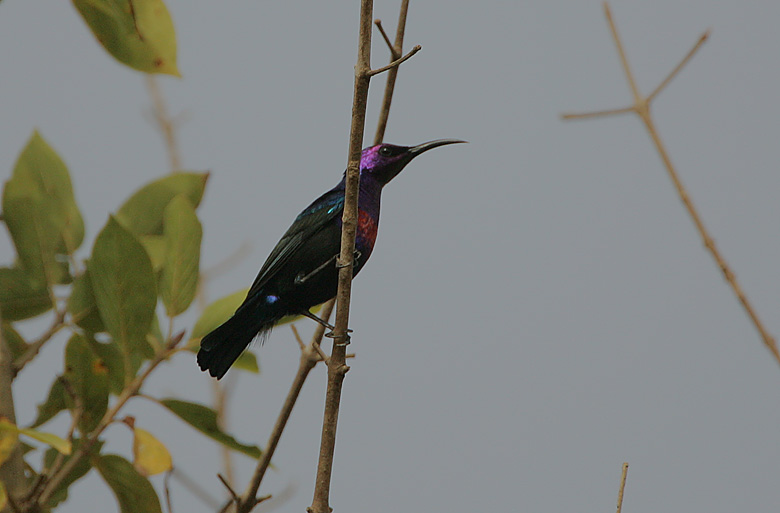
x,y
220,348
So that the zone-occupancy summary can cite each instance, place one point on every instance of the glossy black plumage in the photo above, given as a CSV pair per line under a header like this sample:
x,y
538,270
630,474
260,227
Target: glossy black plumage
x,y
301,270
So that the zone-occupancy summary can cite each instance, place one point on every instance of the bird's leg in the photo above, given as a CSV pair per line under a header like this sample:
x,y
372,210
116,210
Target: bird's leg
x,y
301,278
316,319
322,322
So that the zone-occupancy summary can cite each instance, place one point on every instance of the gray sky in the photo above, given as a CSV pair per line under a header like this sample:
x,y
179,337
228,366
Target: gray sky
x,y
538,308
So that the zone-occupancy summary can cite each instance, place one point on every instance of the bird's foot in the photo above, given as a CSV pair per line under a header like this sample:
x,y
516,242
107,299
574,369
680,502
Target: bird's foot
x,y
347,338
355,261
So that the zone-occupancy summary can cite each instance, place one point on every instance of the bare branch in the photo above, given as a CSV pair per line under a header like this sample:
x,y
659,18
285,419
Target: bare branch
x,y
395,63
642,108
165,123
129,391
393,53
702,39
34,348
622,487
337,367
598,113
392,75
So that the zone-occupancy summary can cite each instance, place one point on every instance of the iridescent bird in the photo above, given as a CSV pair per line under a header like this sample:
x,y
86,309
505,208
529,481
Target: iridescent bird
x,y
301,270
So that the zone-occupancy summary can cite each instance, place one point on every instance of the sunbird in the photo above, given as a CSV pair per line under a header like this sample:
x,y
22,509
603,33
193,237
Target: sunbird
x,y
302,272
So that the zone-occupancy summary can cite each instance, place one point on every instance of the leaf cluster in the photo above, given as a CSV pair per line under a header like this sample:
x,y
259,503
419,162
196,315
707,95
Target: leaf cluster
x,y
144,261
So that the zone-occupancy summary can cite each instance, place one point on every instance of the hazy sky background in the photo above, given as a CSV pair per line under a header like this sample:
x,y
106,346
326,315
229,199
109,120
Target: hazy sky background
x,y
539,307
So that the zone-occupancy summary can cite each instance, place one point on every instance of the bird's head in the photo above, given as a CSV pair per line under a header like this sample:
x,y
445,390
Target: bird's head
x,y
385,161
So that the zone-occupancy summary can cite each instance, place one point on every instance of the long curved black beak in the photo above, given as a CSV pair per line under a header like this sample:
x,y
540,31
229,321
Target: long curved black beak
x,y
421,148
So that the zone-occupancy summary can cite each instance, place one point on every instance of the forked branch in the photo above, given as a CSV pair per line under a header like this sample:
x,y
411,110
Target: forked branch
x,y
641,107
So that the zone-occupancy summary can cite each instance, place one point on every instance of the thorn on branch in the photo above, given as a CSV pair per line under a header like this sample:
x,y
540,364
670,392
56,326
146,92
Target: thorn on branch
x,y
395,63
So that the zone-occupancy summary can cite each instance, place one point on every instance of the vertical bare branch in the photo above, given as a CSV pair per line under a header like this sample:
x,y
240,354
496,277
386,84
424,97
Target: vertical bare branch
x,y
396,53
337,367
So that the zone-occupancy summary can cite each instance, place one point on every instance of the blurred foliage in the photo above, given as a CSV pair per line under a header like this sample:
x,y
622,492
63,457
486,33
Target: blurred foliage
x,y
145,259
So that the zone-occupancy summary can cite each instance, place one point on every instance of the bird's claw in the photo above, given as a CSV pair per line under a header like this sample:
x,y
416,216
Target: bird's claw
x,y
347,338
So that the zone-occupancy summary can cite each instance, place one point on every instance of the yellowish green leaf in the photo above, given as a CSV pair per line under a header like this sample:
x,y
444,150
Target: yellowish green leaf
x,y
9,435
155,248
247,361
138,33
218,312
41,212
149,454
59,444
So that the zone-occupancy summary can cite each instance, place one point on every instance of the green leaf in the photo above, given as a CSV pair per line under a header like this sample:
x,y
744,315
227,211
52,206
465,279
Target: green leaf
x,y
155,248
80,470
204,419
16,344
82,305
55,402
88,378
138,33
182,232
143,212
41,212
112,358
20,298
218,312
125,288
247,361
133,491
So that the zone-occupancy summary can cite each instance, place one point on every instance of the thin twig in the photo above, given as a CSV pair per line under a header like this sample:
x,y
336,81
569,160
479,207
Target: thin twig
x,y
129,391
395,63
702,39
34,347
598,113
642,108
167,490
309,358
622,487
230,490
165,123
395,52
301,345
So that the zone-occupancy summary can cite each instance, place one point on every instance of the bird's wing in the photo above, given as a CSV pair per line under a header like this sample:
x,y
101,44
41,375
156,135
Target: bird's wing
x,y
315,217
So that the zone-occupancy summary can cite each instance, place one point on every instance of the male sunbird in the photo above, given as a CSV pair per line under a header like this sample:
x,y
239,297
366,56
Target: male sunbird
x,y
301,271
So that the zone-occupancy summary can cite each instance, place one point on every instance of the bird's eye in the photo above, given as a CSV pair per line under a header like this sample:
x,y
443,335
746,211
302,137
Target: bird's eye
x,y
385,151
